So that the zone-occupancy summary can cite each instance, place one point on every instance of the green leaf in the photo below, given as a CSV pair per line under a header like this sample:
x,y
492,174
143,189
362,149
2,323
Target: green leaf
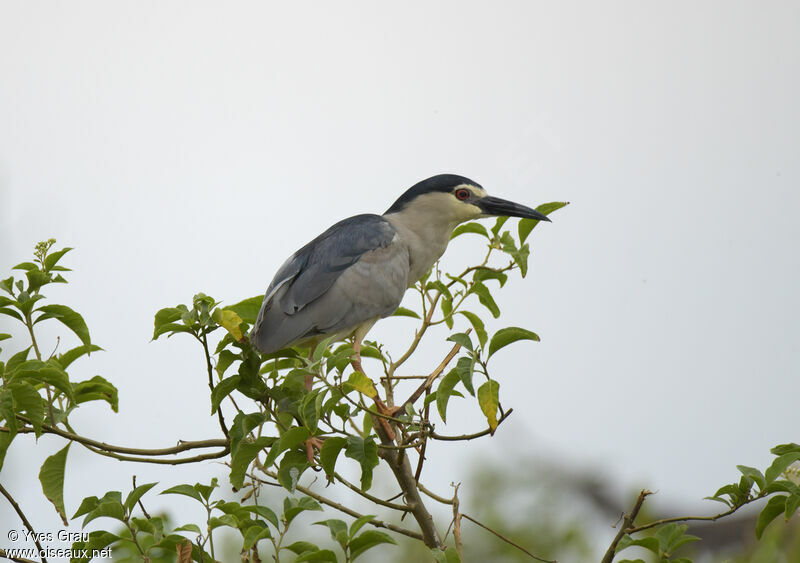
x,y
483,274
185,490
365,452
7,285
753,474
69,318
11,313
51,259
8,413
785,449
792,504
36,371
368,540
51,476
449,555
224,361
506,336
465,367
97,389
359,523
447,311
5,441
779,465
293,437
292,507
36,279
292,466
477,324
134,496
463,339
28,400
242,425
247,309
445,390
300,547
672,536
488,399
17,359
403,312
98,540
320,555
498,224
331,448
27,266
253,535
206,490
775,505
485,297
362,384
222,390
66,359
526,225
244,454
264,512
165,319
471,227
338,530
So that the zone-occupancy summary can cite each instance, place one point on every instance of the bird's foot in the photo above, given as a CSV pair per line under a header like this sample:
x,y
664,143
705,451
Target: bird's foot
x,y
312,444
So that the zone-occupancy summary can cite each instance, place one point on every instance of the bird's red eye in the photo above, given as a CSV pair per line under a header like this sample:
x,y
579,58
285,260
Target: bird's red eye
x,y
462,194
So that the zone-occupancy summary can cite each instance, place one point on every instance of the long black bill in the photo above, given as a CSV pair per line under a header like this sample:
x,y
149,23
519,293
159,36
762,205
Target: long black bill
x,y
496,206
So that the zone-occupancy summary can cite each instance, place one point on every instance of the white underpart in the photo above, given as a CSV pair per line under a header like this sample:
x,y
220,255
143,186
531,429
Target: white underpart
x,y
424,226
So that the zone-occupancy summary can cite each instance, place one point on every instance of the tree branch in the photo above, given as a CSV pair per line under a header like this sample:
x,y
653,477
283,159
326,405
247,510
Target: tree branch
x,y
508,541
5,555
21,515
714,518
366,495
432,377
375,522
462,437
204,342
626,526
181,447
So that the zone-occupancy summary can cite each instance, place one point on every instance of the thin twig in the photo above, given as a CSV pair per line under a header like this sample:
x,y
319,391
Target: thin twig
x,y
462,437
181,447
457,523
432,377
714,518
433,495
179,461
21,515
204,342
139,500
426,322
375,522
627,523
4,555
376,500
508,541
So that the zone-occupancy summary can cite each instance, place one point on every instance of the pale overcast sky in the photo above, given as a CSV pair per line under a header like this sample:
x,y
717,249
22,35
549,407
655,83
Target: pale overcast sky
x,y
192,146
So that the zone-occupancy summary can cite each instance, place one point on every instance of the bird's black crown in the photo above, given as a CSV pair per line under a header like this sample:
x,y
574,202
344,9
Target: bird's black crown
x,y
438,183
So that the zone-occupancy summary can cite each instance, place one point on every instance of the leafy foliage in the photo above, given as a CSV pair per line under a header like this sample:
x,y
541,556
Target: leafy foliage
x,y
296,411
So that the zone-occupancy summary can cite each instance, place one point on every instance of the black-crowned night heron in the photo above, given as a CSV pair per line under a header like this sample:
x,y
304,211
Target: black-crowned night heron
x,y
357,272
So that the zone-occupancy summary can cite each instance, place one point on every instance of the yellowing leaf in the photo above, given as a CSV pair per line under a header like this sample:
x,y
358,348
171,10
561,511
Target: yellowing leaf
x,y
362,384
489,402
228,320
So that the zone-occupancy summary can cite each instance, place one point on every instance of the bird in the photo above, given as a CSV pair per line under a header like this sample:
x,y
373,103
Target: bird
x,y
357,272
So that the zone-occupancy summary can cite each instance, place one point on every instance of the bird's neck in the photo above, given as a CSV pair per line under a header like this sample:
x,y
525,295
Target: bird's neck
x,y
425,235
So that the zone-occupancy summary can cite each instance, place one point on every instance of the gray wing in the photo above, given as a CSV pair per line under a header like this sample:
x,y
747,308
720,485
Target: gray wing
x,y
353,272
